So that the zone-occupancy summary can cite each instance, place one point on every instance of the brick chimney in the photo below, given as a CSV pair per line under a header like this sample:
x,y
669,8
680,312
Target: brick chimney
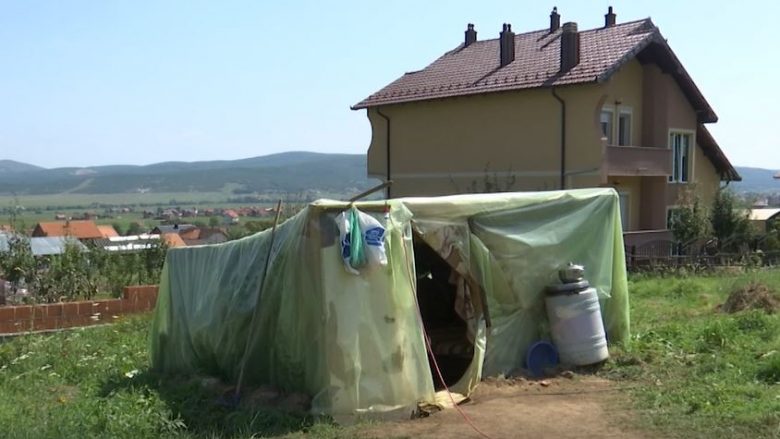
x,y
609,18
570,46
507,45
555,20
471,35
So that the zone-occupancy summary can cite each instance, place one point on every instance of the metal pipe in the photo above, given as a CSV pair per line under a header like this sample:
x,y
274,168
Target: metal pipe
x,y
563,137
387,147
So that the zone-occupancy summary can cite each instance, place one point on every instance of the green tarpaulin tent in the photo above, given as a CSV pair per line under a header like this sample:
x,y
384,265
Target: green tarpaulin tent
x,y
475,266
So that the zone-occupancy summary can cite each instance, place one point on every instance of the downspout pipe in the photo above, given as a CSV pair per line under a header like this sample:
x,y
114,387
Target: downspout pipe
x,y
563,137
387,147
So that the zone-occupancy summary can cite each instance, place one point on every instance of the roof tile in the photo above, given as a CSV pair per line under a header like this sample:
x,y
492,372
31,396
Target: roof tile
x,y
475,69
80,229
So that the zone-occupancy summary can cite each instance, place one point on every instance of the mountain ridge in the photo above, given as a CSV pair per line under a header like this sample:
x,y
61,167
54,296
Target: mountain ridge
x,y
287,171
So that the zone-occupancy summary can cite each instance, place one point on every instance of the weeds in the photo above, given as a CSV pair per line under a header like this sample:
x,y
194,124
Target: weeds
x,y
694,372
698,372
95,382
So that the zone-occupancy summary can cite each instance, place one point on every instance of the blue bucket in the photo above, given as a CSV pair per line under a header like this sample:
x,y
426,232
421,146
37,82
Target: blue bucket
x,y
540,356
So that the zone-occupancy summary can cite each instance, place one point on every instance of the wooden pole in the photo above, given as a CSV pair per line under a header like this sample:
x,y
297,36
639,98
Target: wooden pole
x,y
368,192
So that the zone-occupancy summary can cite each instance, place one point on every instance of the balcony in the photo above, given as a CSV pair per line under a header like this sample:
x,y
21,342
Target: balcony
x,y
638,161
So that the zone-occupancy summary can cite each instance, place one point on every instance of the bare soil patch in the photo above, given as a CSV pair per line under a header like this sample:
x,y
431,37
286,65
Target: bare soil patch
x,y
578,407
752,296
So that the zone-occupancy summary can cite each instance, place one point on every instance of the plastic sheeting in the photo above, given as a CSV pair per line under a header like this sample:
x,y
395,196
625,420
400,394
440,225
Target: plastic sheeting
x,y
355,343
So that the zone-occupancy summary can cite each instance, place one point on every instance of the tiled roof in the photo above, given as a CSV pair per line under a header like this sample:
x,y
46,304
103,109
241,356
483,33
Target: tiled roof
x,y
107,231
173,240
172,228
475,69
80,229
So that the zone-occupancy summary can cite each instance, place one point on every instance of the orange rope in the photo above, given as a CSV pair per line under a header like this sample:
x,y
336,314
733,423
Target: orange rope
x,y
428,344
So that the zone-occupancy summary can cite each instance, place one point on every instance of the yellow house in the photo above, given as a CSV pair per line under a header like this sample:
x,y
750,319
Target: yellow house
x,y
549,109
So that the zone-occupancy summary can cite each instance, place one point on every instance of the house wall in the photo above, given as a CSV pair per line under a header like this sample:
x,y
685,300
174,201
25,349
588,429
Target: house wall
x,y
454,145
653,212
512,140
633,187
706,177
624,91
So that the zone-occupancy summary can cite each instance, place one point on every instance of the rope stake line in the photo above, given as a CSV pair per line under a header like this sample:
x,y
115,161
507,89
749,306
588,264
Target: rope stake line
x,y
428,345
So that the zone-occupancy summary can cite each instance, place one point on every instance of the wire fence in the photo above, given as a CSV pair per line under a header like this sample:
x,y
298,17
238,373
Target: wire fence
x,y
699,256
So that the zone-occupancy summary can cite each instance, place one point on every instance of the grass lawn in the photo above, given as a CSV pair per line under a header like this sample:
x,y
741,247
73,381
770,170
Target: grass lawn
x,y
94,382
694,371
691,370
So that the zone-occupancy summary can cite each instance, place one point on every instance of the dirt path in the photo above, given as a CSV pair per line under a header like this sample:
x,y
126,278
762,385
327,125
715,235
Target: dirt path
x,y
582,407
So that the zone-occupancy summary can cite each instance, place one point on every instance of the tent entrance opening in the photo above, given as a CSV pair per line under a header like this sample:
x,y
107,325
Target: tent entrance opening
x,y
443,309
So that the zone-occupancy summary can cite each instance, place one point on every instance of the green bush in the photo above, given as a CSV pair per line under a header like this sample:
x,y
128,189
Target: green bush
x,y
79,274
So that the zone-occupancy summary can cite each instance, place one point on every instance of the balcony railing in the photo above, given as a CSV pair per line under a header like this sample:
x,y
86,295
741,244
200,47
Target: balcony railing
x,y
638,160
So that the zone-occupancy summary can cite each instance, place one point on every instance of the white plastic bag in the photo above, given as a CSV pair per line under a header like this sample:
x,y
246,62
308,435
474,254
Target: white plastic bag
x,y
373,239
372,234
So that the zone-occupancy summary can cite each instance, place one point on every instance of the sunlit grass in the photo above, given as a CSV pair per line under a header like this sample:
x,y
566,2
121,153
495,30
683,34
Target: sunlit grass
x,y
698,372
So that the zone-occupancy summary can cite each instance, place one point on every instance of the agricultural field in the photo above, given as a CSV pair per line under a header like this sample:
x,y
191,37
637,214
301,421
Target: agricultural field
x,y
31,209
691,370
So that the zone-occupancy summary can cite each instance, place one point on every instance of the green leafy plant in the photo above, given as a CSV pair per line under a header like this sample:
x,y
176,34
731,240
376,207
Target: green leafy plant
x,y
689,220
730,223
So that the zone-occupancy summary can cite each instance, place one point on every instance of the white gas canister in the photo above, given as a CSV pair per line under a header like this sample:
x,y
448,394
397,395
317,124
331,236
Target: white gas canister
x,y
576,326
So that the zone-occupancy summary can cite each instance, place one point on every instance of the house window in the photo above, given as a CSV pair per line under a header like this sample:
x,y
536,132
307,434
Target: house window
x,y
624,128
680,143
624,208
607,117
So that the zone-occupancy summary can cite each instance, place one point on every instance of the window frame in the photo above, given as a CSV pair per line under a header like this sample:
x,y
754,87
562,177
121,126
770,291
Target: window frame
x,y
611,127
625,111
676,166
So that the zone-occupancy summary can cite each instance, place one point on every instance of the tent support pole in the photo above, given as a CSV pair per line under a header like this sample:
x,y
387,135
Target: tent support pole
x,y
368,192
237,395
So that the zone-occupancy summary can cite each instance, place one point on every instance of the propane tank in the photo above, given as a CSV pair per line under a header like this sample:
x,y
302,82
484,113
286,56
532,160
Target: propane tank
x,y
575,318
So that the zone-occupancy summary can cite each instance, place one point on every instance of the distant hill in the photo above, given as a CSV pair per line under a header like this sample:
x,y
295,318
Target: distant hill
x,y
756,180
292,172
14,167
285,172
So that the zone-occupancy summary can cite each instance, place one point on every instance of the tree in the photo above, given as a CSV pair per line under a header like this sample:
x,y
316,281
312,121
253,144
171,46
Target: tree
x,y
135,228
689,220
18,264
71,275
213,221
730,224
118,227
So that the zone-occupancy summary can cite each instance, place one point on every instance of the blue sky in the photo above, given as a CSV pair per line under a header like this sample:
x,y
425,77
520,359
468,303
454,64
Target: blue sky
x,y
104,82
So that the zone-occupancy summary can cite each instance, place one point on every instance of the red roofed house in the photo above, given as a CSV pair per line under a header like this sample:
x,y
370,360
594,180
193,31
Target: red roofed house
x,y
107,231
79,229
173,240
230,216
549,109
